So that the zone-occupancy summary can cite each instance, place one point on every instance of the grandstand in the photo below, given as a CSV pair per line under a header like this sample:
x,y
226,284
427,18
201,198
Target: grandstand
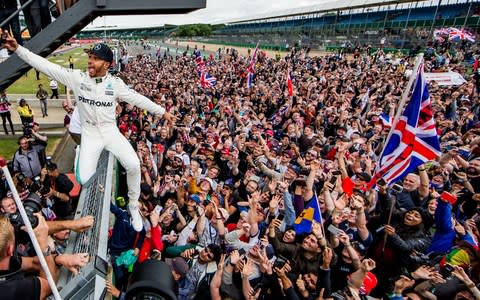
x,y
157,32
403,24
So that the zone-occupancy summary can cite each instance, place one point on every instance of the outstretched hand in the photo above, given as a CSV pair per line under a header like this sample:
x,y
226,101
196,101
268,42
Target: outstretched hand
x,y
170,117
9,42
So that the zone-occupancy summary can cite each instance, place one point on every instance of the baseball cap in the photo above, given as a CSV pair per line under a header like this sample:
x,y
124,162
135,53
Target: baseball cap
x,y
369,283
295,168
210,181
363,176
101,51
195,198
287,153
178,264
229,183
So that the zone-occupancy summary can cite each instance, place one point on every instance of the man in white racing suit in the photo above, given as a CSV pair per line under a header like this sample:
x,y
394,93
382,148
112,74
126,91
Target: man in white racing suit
x,y
97,93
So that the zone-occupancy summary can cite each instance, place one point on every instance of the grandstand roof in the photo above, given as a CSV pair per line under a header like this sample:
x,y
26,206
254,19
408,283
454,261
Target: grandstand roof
x,y
125,27
327,7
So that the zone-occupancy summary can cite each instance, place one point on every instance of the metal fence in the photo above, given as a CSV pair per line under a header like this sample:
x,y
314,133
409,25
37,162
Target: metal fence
x,y
94,200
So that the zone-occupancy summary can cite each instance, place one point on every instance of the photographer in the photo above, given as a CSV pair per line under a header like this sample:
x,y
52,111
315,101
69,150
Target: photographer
x,y
37,138
13,280
8,206
27,159
56,187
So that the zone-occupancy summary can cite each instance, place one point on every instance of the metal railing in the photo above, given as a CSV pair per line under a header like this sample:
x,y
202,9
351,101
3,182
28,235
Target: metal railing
x,y
15,13
94,200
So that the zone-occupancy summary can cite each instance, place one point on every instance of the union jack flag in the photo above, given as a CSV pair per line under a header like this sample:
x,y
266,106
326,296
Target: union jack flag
x,y
460,34
251,68
413,140
200,65
207,81
385,119
439,34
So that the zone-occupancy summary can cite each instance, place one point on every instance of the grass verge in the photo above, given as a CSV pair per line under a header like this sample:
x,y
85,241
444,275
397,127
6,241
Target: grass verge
x,y
28,83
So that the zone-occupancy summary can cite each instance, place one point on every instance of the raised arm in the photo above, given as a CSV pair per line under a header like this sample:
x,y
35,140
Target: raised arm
x,y
124,93
64,75
308,194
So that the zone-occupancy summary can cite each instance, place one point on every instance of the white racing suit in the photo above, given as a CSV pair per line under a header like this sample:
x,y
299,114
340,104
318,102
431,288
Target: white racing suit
x,y
96,101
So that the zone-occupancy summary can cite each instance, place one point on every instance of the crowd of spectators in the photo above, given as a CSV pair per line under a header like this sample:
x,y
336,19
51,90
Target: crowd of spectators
x,y
223,187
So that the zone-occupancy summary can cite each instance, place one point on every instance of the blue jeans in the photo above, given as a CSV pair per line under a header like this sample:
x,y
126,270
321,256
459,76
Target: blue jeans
x,y
120,272
43,107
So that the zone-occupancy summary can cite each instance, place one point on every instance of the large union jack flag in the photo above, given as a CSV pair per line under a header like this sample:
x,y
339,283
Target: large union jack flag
x,y
207,81
414,139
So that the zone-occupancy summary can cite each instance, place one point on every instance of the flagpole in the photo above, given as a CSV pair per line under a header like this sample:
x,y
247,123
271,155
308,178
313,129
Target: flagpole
x,y
252,60
254,53
392,206
320,212
403,100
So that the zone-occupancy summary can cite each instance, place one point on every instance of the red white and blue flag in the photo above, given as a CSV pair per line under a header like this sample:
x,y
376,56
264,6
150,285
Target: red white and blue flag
x,y
460,35
289,84
200,65
413,140
251,68
440,34
386,120
207,81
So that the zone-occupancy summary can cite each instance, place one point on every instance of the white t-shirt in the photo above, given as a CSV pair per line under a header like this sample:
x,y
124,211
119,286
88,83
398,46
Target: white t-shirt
x,y
75,125
53,84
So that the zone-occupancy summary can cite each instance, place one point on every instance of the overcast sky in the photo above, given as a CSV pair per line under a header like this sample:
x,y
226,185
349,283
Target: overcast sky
x,y
216,11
